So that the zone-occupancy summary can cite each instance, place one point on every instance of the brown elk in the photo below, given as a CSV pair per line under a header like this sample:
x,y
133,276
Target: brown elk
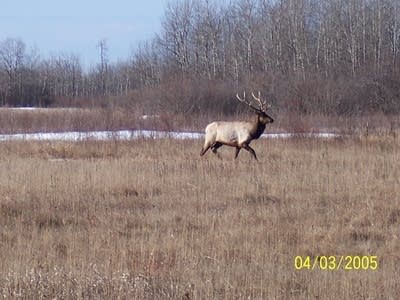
x,y
238,134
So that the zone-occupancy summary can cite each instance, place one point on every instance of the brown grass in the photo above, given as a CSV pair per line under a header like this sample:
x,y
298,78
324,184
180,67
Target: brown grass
x,y
77,119
150,219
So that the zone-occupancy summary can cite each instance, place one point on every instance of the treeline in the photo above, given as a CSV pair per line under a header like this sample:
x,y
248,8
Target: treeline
x,y
308,56
26,79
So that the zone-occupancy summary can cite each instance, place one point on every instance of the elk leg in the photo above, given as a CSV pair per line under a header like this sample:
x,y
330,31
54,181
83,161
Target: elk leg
x,y
237,152
215,147
251,150
204,150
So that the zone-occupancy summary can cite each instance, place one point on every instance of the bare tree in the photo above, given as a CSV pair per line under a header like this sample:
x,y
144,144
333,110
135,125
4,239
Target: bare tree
x,y
207,38
12,53
103,67
176,32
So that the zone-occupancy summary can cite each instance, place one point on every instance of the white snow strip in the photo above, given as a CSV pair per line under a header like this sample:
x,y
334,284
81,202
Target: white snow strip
x,y
137,134
323,135
41,109
99,135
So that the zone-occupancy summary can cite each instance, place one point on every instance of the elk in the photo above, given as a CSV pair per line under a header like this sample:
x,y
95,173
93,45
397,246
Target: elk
x,y
238,134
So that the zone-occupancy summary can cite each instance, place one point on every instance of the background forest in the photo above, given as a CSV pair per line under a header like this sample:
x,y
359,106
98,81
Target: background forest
x,y
328,57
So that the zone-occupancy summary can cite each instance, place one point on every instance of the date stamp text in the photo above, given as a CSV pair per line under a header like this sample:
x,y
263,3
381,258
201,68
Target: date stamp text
x,y
336,262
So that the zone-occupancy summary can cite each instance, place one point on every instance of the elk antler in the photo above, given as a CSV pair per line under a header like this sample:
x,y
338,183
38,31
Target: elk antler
x,y
262,105
240,99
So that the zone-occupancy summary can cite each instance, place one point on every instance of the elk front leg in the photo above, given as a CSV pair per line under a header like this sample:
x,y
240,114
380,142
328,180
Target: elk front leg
x,y
251,150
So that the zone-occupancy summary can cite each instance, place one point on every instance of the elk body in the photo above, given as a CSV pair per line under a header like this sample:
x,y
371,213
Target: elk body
x,y
238,134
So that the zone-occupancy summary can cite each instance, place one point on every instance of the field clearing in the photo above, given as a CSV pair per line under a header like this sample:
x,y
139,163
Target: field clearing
x,y
151,219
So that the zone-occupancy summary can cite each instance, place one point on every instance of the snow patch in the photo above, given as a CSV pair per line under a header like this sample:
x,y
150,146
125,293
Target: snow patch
x,y
147,117
137,134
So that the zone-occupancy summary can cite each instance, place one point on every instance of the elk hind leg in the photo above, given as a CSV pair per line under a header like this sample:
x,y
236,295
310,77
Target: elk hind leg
x,y
204,149
237,152
215,147
207,145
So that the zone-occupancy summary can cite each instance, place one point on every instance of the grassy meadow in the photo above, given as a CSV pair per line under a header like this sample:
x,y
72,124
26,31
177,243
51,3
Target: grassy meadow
x,y
150,219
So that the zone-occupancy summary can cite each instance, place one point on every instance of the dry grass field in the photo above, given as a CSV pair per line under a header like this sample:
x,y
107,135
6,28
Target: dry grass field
x,y
13,120
150,219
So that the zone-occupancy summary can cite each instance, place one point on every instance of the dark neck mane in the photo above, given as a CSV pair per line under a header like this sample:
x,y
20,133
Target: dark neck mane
x,y
258,129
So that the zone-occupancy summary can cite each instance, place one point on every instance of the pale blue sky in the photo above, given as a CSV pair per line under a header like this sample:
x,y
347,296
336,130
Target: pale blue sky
x,y
76,26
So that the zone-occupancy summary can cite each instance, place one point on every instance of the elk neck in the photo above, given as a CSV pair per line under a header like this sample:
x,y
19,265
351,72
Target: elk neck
x,y
258,128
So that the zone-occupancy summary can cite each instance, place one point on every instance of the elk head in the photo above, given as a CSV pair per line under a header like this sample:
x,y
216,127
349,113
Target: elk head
x,y
260,109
